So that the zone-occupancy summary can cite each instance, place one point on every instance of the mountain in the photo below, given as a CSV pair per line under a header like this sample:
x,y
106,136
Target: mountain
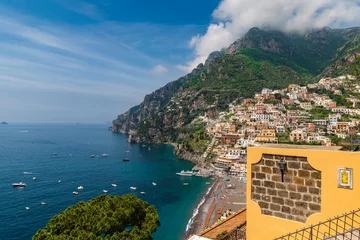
x,y
261,58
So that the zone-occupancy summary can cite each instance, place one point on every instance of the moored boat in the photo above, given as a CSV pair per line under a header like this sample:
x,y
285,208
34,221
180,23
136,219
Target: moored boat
x,y
80,187
19,184
92,156
75,193
55,153
43,203
153,183
105,155
27,208
185,183
185,173
105,191
34,178
59,181
133,188
114,185
27,173
142,193
126,159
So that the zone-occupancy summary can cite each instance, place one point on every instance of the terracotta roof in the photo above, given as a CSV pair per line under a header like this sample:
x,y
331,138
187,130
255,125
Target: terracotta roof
x,y
236,220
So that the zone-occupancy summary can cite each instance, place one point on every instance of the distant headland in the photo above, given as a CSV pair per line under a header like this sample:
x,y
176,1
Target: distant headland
x,y
4,123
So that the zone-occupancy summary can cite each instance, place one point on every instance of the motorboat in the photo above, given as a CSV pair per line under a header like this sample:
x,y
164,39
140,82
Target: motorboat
x,y
92,156
105,155
126,159
27,173
185,173
75,193
105,191
207,183
80,187
55,153
142,193
114,185
153,183
133,188
59,181
43,203
27,208
34,178
185,183
19,184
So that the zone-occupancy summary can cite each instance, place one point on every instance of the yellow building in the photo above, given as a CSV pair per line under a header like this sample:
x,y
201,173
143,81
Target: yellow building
x,y
292,187
267,136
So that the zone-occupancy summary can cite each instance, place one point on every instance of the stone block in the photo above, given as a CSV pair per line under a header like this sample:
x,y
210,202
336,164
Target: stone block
x,y
280,215
304,173
309,182
286,209
263,204
277,200
291,187
269,163
302,189
260,190
280,186
266,198
315,191
256,182
316,175
259,175
265,169
314,207
255,168
307,166
269,184
289,202
295,195
299,181
271,192
293,165
307,198
301,204
256,196
275,207
283,194
276,178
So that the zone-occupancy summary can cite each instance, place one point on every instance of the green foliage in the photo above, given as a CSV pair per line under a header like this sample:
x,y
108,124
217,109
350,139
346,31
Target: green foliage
x,y
319,112
104,217
194,137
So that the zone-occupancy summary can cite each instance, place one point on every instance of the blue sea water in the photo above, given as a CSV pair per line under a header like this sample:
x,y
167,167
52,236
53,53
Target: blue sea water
x,y
30,148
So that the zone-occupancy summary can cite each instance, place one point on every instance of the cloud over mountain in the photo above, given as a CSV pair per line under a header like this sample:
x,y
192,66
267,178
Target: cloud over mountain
x,y
232,18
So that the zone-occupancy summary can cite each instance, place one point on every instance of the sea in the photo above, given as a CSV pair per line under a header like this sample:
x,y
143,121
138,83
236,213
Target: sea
x,y
30,148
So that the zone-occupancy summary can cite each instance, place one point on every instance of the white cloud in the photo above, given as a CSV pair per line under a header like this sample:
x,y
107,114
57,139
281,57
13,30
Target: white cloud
x,y
159,69
233,18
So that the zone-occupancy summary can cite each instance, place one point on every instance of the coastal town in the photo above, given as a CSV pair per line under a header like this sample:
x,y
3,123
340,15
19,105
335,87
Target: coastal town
x,y
321,114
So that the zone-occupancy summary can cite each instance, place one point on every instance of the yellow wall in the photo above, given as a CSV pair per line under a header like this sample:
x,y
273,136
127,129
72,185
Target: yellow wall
x,y
334,200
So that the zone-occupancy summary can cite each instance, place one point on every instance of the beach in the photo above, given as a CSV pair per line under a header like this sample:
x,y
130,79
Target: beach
x,y
221,196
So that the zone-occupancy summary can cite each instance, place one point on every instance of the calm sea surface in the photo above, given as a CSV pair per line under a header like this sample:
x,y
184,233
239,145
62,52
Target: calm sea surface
x,y
30,148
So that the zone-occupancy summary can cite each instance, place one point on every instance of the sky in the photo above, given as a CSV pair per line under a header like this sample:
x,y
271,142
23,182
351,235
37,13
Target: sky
x,y
87,61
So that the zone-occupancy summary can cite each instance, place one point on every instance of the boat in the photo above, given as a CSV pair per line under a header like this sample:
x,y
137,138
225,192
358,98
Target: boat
x,y
27,208
59,181
19,184
133,188
105,155
207,183
127,157
114,185
80,187
92,156
55,153
149,148
153,183
97,156
185,183
34,178
185,173
142,193
43,203
105,191
75,193
27,173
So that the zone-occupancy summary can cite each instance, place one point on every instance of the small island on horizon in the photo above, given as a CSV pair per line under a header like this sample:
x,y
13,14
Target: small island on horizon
x,y
4,123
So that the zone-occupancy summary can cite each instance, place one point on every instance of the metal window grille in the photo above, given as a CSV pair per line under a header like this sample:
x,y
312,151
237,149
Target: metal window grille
x,y
343,227
238,233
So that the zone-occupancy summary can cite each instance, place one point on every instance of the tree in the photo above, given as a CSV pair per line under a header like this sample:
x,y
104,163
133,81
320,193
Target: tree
x,y
103,217
356,67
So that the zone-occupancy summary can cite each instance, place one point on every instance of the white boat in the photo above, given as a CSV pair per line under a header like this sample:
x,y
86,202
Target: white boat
x,y
34,178
185,183
59,181
27,173
80,187
133,188
185,173
55,153
92,156
27,208
43,203
19,184
114,185
105,191
207,183
142,193
105,155
154,184
75,193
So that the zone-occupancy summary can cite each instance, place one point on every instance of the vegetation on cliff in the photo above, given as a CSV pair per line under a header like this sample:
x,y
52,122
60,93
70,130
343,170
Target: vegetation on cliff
x,y
104,217
260,59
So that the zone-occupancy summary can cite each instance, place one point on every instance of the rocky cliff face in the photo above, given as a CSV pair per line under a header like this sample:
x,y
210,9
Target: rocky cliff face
x,y
259,59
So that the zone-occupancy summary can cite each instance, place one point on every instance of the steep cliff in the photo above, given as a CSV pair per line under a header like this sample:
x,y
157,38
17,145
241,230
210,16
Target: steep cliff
x,y
261,58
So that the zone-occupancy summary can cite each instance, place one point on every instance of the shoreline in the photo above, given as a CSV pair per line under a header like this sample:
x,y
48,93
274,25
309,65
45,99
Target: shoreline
x,y
218,200
191,227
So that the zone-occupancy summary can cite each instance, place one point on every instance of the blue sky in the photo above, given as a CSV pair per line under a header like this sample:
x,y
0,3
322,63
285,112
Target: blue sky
x,y
87,61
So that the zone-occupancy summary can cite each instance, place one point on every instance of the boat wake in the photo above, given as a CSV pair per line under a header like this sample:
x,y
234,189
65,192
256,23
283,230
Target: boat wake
x,y
196,210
